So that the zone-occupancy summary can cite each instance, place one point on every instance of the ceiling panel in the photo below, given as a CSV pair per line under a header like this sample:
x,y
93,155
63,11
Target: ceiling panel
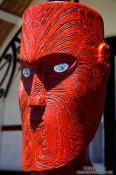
x,y
5,29
15,7
11,12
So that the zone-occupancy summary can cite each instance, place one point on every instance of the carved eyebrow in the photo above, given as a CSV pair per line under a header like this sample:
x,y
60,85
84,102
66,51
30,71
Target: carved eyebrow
x,y
26,63
56,58
50,59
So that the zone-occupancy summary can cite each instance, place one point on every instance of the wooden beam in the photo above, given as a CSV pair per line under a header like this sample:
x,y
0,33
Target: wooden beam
x,y
10,18
11,128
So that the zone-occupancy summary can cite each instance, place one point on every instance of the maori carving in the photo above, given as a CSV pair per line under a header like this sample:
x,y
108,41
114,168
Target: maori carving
x,y
64,72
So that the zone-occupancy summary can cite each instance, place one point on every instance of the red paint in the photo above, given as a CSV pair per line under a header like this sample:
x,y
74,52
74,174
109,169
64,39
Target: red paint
x,y
61,111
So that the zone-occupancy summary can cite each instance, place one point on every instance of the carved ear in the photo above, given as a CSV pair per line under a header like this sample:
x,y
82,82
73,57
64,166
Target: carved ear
x,y
104,54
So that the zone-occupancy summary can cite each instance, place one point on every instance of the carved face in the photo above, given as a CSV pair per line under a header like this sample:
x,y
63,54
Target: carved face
x,y
64,70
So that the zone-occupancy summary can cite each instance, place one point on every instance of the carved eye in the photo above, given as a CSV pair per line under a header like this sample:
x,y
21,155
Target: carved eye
x,y
61,67
26,72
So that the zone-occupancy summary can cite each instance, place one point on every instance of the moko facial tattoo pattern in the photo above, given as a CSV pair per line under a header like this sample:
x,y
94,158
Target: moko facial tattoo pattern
x,y
64,72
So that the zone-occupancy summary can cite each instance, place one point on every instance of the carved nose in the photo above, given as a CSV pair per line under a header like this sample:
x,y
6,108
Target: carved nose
x,y
37,101
36,116
38,93
37,105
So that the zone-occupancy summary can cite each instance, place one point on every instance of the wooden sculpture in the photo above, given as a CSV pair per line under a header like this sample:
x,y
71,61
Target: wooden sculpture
x,y
64,72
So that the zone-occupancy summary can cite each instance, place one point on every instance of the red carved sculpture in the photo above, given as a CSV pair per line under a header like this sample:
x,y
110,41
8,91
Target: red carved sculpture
x,y
64,72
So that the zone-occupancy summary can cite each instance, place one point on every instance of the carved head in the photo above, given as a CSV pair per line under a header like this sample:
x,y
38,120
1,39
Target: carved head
x,y
64,71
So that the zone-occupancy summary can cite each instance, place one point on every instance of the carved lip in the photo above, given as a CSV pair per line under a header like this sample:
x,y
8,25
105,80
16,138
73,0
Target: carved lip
x,y
37,112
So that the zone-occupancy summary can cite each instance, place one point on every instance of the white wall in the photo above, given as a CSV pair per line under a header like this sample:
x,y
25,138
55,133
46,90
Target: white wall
x,y
11,106
10,150
10,141
107,8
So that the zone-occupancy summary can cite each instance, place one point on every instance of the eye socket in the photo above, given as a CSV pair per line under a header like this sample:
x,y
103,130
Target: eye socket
x,y
61,67
26,72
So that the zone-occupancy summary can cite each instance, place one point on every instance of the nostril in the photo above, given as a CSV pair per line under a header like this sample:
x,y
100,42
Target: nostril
x,y
36,116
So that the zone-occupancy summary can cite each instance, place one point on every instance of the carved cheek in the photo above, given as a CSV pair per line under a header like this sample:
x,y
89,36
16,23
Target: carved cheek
x,y
23,98
76,86
61,98
21,90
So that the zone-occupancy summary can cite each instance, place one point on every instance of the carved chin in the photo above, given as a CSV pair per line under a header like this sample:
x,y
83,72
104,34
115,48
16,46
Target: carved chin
x,y
52,141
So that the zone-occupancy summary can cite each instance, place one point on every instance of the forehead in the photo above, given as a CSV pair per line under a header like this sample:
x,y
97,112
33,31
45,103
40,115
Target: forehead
x,y
59,27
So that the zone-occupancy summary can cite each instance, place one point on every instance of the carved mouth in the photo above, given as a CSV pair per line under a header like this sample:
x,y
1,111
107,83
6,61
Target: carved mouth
x,y
36,116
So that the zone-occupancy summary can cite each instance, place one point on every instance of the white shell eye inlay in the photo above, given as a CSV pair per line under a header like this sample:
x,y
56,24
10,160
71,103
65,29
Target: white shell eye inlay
x,y
61,67
26,72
